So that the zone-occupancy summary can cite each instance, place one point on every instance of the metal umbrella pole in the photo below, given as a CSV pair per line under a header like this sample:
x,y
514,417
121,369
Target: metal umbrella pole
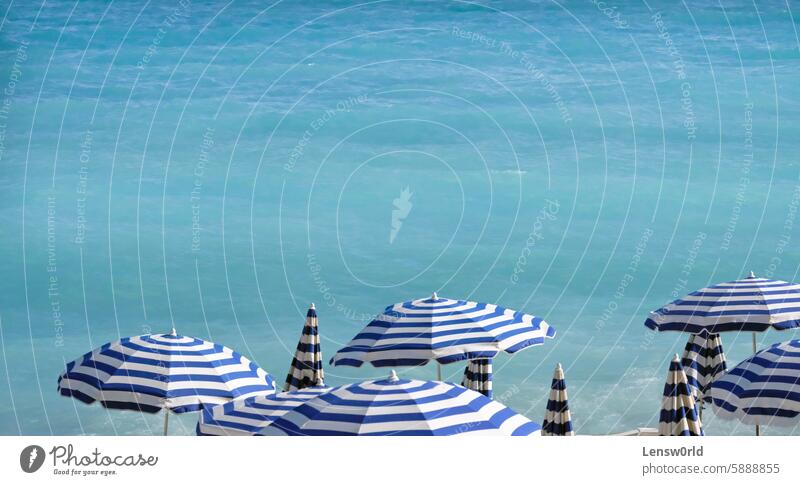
x,y
758,427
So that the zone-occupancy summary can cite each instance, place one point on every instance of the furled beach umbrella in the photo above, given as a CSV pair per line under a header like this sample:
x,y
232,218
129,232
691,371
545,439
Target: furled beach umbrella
x,y
306,369
678,409
558,419
245,417
749,304
401,407
153,372
478,376
703,361
416,332
762,390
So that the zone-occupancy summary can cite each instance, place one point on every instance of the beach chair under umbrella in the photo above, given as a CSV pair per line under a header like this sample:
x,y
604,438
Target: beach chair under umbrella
x,y
173,372
557,418
679,416
306,369
401,407
245,417
763,389
478,376
441,329
703,361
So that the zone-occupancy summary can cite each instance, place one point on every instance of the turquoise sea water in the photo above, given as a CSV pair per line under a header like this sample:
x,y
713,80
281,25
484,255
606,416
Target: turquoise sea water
x,y
218,167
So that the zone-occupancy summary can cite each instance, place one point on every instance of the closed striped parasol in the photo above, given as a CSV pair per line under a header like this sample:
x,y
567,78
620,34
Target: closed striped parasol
x,y
762,390
750,304
416,332
478,376
151,372
703,361
678,415
306,369
558,419
245,417
401,407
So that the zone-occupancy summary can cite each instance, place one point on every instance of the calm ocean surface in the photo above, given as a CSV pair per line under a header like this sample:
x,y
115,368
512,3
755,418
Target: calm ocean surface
x,y
219,167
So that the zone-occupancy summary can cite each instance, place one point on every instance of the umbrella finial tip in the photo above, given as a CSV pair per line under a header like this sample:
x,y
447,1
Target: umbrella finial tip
x,y
434,296
751,275
675,358
173,332
393,376
558,366
312,307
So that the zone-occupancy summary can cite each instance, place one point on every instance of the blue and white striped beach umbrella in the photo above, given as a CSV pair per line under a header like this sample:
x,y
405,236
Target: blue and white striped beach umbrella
x,y
703,361
478,376
762,390
153,372
416,332
245,417
306,369
557,418
749,304
679,415
401,407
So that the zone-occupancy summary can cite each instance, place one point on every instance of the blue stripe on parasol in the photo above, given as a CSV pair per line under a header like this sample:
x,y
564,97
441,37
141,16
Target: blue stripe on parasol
x,y
441,329
245,417
306,369
558,419
478,376
678,415
401,407
762,390
151,372
749,304
703,361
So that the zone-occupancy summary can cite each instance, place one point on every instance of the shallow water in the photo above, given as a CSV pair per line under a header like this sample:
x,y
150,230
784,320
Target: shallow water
x,y
218,168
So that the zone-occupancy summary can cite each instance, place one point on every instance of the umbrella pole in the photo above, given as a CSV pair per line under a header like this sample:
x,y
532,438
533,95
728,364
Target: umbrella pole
x,y
755,349
166,421
438,371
